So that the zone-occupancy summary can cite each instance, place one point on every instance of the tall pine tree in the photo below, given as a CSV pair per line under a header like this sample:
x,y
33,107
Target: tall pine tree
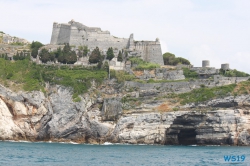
x,y
119,58
110,53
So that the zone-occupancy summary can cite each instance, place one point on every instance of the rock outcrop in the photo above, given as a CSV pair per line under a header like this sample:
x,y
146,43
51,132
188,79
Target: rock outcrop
x,y
34,116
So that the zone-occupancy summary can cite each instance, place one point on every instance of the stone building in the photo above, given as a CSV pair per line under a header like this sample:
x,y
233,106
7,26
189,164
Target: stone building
x,y
78,34
116,65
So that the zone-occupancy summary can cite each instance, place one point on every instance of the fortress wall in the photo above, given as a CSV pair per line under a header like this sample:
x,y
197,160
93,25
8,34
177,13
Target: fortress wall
x,y
64,34
171,87
55,34
141,49
76,36
227,80
95,36
105,44
154,53
186,86
101,39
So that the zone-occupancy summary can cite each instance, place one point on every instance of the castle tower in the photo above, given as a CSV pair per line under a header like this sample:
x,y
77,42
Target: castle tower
x,y
55,33
225,66
131,45
154,53
205,63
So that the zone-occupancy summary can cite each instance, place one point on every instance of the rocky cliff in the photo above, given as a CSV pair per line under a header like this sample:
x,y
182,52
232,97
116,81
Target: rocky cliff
x,y
102,115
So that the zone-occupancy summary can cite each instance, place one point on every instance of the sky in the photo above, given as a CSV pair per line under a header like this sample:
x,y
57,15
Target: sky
x,y
215,30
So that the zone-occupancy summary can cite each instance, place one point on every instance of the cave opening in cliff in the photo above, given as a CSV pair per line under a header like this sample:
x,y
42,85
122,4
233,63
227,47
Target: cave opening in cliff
x,y
187,137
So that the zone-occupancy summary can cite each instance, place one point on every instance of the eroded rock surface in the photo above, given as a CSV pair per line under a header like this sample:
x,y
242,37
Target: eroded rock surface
x,y
95,119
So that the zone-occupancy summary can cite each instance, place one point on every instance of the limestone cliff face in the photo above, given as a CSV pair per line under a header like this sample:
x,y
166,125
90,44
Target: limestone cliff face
x,y
34,116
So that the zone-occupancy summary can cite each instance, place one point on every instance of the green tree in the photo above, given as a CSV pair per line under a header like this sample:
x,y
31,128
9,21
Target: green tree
x,y
71,58
35,47
66,48
95,56
99,65
36,44
58,52
46,56
110,53
106,66
85,50
34,52
16,56
119,58
6,57
66,55
170,59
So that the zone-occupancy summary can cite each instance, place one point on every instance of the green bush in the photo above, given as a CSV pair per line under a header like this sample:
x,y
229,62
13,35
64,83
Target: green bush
x,y
110,53
143,65
17,44
204,94
33,77
189,73
121,76
95,56
35,47
170,59
233,73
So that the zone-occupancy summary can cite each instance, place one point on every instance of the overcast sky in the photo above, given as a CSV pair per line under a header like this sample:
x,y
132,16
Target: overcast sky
x,y
215,30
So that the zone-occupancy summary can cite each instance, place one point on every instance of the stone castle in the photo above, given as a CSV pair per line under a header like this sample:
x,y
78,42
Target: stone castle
x,y
78,34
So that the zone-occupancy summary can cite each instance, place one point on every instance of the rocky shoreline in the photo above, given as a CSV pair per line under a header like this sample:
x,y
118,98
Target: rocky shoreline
x,y
35,116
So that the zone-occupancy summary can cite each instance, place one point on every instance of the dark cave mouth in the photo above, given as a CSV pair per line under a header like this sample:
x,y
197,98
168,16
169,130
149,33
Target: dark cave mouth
x,y
187,137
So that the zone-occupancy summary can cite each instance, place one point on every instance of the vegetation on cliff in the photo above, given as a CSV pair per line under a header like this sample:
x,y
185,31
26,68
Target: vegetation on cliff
x,y
189,73
110,53
95,56
170,59
205,93
25,75
121,76
119,57
143,65
35,47
65,55
233,73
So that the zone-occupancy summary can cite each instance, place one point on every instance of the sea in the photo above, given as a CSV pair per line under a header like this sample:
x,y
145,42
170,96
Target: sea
x,y
60,154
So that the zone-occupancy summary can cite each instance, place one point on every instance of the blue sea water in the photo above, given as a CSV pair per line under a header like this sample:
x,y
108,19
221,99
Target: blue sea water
x,y
21,153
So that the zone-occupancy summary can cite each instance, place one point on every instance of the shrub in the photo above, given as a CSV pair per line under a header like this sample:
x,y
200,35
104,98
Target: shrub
x,y
204,94
143,65
170,59
189,73
35,47
121,76
233,73
33,77
110,53
95,56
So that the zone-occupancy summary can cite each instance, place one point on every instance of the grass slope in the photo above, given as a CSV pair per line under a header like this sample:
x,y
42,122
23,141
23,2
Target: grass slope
x,y
28,76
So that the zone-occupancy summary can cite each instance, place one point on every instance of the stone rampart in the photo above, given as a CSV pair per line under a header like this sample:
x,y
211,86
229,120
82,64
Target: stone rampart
x,y
162,73
78,34
228,80
185,86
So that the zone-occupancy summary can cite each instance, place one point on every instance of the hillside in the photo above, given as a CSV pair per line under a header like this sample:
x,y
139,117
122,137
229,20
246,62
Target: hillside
x,y
144,103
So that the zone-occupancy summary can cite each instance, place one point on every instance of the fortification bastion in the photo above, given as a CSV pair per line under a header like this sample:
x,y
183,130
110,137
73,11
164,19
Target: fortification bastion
x,y
78,34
